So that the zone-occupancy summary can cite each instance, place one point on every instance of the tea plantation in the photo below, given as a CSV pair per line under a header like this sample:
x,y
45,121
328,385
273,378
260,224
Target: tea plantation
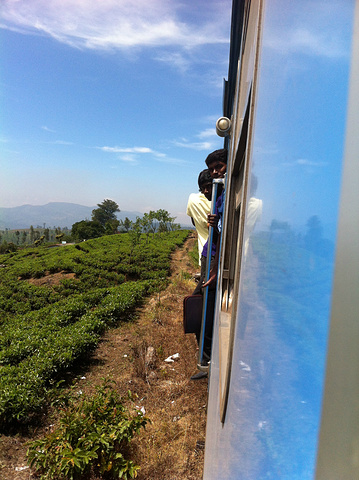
x,y
45,330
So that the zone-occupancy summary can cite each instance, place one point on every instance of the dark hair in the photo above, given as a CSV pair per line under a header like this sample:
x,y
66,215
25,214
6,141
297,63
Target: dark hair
x,y
217,156
204,178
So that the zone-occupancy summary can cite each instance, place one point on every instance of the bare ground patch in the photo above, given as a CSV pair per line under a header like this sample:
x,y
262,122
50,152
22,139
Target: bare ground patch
x,y
51,279
133,355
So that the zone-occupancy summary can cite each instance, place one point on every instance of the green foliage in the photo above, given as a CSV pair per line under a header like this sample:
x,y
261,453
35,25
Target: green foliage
x,y
91,436
104,222
164,220
87,229
194,255
111,227
44,343
135,234
45,330
8,247
29,236
105,213
126,224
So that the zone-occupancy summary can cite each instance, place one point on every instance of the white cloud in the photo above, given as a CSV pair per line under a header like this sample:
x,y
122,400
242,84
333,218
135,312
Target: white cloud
x,y
47,129
129,158
117,24
302,40
207,133
319,28
194,145
126,149
310,163
176,59
132,154
305,162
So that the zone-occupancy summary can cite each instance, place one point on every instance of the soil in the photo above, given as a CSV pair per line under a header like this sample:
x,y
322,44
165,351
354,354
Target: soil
x,y
51,279
133,355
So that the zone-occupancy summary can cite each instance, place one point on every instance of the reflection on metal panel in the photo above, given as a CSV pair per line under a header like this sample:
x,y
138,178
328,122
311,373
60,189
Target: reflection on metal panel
x,y
278,245
237,182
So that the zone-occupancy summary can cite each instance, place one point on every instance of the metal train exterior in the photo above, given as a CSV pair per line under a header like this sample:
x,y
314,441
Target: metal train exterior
x,y
284,375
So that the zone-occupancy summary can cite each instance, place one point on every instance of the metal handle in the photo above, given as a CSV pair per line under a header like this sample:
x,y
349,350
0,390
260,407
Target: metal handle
x,y
216,182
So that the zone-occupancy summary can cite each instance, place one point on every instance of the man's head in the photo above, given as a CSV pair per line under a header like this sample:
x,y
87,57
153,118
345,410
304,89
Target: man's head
x,y
217,163
205,183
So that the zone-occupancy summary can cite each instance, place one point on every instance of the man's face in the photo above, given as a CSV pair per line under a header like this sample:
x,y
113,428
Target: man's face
x,y
206,189
217,169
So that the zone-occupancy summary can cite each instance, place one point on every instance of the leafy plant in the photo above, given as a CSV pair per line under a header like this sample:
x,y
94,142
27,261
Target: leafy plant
x,y
194,255
92,436
45,329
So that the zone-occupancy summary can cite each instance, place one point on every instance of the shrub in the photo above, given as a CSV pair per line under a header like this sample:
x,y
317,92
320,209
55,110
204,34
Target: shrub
x,y
46,329
92,436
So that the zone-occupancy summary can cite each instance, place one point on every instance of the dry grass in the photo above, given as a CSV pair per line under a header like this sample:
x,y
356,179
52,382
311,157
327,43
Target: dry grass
x,y
133,355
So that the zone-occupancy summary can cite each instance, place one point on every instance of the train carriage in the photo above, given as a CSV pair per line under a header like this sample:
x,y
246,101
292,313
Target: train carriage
x,y
284,374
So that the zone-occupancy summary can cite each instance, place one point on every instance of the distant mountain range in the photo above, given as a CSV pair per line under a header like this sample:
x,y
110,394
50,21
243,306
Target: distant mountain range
x,y
54,214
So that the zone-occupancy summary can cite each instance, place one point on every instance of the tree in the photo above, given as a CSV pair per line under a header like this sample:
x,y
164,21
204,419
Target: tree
x,y
106,212
126,224
58,237
40,240
111,227
32,233
8,247
165,220
87,229
146,223
152,219
135,234
23,236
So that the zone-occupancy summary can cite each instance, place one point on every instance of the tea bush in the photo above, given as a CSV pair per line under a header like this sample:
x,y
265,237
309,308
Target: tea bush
x,y
92,436
45,330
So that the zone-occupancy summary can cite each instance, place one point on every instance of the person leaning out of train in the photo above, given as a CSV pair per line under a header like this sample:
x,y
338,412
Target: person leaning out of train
x,y
198,208
217,166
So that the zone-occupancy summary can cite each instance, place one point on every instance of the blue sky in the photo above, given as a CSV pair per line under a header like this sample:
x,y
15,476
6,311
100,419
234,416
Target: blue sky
x,y
301,115
109,99
118,99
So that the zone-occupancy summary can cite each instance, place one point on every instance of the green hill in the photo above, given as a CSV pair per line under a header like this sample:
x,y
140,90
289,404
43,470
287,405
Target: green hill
x,y
56,302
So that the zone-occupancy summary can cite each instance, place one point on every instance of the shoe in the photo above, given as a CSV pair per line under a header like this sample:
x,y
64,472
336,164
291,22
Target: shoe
x,y
199,375
203,366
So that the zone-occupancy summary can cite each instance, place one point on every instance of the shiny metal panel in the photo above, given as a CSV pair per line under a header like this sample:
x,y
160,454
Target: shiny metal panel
x,y
338,453
271,425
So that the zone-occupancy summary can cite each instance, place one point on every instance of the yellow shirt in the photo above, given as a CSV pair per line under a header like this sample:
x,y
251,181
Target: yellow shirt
x,y
198,208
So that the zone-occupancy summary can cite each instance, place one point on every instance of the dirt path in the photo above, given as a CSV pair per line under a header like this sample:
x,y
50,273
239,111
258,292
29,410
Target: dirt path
x,y
133,355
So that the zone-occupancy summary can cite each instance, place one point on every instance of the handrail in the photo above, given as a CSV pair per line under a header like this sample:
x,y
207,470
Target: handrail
x,y
216,182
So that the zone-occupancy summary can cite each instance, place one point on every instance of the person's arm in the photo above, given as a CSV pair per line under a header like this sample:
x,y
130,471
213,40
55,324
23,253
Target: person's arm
x,y
212,220
214,269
